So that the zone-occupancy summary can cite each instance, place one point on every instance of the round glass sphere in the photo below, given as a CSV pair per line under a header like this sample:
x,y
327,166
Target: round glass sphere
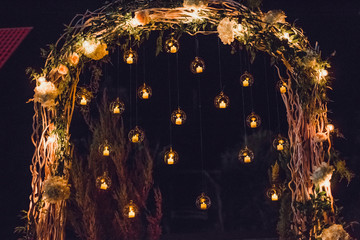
x,y
281,86
246,80
130,56
105,149
136,135
83,97
273,193
103,182
144,91
221,101
130,210
171,45
280,143
253,120
117,107
203,202
197,66
178,117
171,157
246,155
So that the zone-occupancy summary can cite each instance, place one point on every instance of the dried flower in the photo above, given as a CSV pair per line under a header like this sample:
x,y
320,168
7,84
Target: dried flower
x,y
274,16
226,30
322,174
74,58
193,4
62,69
275,172
320,137
56,189
335,232
45,93
95,50
142,17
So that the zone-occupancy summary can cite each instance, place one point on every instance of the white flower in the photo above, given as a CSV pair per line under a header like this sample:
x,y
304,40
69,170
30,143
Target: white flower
x,y
226,30
45,93
322,174
56,189
94,49
274,16
335,232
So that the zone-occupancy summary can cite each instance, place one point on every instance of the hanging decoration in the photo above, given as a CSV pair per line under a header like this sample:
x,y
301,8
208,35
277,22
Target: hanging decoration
x,y
253,120
197,66
130,57
171,45
330,127
246,155
273,193
171,157
117,107
130,210
281,86
144,91
83,97
103,182
136,135
221,101
105,149
203,202
178,117
246,80
279,143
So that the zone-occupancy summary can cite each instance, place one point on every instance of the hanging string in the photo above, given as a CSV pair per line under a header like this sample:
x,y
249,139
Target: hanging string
x,y
220,74
144,67
118,73
243,100
196,46
130,96
277,104
251,89
267,93
170,108
201,140
136,97
177,79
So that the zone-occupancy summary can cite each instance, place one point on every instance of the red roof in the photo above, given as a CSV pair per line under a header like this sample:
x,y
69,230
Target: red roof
x,y
10,39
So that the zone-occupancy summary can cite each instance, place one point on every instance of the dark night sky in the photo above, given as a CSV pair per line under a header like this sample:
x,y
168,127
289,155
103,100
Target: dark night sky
x,y
334,24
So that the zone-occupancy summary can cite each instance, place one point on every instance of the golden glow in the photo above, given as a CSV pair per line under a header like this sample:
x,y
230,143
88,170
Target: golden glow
x,y
178,120
246,83
282,89
135,138
103,185
247,159
116,110
89,46
274,197
41,79
145,94
106,151
222,104
286,36
131,212
203,205
130,59
330,127
83,100
253,123
199,69
280,147
323,73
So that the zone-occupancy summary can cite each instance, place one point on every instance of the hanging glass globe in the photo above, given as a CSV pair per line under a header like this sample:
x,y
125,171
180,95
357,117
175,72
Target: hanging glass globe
x,y
105,149
281,86
83,97
203,202
117,107
130,210
178,117
103,182
273,193
279,143
197,66
246,80
246,155
136,135
171,45
253,120
130,56
171,157
144,91
221,101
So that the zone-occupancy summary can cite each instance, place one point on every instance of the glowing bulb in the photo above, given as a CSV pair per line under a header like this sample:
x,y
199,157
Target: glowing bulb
x,y
323,73
330,127
41,79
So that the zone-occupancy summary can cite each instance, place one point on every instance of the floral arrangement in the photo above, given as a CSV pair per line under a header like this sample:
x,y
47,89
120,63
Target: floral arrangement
x,y
322,173
56,189
45,93
335,232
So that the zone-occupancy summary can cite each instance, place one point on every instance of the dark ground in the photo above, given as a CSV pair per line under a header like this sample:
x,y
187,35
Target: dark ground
x,y
334,24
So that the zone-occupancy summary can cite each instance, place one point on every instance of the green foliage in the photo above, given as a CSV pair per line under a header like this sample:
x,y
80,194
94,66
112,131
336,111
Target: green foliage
x,y
343,171
285,218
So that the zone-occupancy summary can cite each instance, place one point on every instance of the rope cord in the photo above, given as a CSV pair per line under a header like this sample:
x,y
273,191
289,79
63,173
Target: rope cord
x,y
267,93
220,74
170,108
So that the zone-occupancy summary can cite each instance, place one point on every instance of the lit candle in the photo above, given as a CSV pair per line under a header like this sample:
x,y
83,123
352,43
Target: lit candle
x,y
145,94
83,100
199,69
246,83
222,104
282,89
170,160
203,206
116,109
178,121
106,151
253,124
103,186
173,49
247,159
131,212
274,197
280,147
135,138
130,59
